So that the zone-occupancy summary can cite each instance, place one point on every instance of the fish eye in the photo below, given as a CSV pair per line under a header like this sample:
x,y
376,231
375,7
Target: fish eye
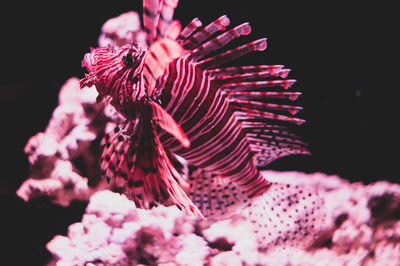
x,y
128,60
135,79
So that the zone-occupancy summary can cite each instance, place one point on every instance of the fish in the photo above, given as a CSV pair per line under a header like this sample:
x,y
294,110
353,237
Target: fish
x,y
180,103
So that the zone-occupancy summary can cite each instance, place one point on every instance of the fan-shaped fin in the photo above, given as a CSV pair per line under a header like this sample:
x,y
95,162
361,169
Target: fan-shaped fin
x,y
261,95
287,215
239,104
228,71
135,157
216,197
257,85
257,75
248,114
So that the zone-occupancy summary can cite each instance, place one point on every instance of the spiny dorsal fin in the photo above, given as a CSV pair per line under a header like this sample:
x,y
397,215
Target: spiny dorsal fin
x,y
203,34
157,17
189,30
174,30
166,15
151,15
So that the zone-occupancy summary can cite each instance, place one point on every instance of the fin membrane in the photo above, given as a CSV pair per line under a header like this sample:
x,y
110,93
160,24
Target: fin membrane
x,y
287,215
135,157
216,197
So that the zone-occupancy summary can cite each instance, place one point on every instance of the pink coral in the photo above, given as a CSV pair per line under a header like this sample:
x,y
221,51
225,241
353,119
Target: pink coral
x,y
113,231
121,30
64,158
68,139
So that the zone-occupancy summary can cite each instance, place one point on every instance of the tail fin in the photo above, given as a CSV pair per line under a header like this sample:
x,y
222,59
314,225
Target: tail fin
x,y
286,215
216,197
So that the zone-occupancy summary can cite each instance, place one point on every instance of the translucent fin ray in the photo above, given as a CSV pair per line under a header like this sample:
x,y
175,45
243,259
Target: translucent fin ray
x,y
220,41
199,37
220,59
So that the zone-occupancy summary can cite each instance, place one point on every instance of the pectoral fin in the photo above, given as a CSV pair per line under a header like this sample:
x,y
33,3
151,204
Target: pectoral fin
x,y
166,122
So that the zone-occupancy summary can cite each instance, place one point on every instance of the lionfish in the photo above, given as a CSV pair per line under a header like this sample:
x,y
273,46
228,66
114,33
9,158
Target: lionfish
x,y
178,99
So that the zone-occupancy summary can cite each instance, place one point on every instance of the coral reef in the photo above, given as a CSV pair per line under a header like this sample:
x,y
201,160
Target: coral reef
x,y
121,30
362,223
64,158
363,228
67,149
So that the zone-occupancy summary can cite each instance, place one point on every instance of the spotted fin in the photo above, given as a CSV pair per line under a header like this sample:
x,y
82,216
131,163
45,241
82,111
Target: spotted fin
x,y
216,197
271,142
287,215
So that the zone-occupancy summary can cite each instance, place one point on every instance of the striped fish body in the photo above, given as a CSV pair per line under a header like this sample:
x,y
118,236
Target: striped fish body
x,y
218,142
173,96
175,99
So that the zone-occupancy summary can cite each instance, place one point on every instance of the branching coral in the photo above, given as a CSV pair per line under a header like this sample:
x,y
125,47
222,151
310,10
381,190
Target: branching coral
x,y
66,151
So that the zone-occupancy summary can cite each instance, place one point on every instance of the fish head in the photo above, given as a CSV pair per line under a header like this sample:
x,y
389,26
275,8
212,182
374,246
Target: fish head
x,y
115,72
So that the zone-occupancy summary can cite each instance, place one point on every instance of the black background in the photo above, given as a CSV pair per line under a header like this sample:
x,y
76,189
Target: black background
x,y
344,57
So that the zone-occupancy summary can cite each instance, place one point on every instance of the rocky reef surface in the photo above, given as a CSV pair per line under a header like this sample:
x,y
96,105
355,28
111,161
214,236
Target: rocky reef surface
x,y
363,228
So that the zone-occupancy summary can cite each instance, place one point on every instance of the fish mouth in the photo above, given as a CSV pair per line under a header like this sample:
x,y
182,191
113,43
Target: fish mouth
x,y
114,72
128,57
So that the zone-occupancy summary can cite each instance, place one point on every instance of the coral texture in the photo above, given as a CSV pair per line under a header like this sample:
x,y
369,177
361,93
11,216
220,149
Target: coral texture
x,y
363,228
63,158
121,30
